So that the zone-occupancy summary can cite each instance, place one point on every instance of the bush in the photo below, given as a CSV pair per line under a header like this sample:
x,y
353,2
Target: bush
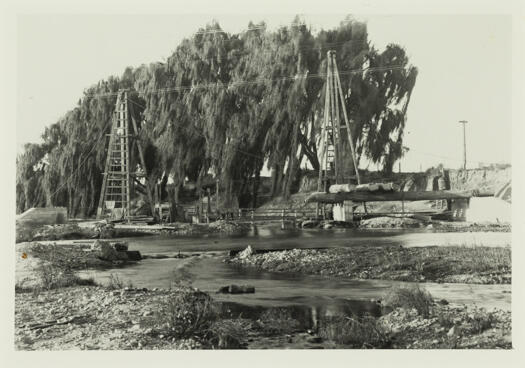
x,y
480,321
365,332
115,282
55,275
227,333
185,313
445,319
276,321
408,298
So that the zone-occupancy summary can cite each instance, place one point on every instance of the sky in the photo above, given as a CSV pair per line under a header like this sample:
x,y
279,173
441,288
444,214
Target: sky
x,y
464,64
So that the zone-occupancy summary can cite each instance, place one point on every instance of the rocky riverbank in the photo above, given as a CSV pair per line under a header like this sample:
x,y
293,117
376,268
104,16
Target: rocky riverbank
x,y
105,230
476,265
392,222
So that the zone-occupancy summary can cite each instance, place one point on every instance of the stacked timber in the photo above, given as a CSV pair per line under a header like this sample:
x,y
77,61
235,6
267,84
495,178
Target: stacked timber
x,y
341,188
370,187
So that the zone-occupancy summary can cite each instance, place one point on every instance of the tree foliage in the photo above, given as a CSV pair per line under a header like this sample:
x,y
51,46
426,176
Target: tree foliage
x,y
227,104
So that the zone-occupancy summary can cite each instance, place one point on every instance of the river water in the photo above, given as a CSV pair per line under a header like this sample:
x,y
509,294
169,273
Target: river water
x,y
205,269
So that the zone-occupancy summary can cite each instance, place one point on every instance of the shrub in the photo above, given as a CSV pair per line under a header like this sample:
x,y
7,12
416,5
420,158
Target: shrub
x,y
363,333
408,298
445,319
115,282
276,321
480,321
227,333
53,276
58,265
185,313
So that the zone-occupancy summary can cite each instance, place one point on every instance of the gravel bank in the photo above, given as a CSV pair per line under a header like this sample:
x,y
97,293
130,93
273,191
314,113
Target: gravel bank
x,y
476,265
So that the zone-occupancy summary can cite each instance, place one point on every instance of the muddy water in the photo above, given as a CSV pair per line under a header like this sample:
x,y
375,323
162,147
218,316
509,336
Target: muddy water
x,y
205,269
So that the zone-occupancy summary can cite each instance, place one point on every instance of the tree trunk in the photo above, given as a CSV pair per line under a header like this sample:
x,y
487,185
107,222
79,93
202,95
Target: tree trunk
x,y
275,180
255,187
290,175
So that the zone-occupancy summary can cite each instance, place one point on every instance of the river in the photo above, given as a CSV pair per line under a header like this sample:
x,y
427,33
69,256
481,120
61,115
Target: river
x,y
205,269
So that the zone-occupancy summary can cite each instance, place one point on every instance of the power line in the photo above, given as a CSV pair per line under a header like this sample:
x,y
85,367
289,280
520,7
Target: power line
x,y
441,156
256,81
301,48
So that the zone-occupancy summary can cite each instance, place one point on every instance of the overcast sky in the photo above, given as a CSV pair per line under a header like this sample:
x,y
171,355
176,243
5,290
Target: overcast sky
x,y
464,67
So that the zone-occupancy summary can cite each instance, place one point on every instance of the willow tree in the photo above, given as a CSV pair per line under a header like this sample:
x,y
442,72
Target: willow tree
x,y
227,104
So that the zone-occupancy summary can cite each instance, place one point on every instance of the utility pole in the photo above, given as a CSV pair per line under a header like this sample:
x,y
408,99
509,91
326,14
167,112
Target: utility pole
x,y
464,122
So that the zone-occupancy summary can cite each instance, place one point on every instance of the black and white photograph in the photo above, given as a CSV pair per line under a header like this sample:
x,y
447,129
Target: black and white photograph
x,y
245,180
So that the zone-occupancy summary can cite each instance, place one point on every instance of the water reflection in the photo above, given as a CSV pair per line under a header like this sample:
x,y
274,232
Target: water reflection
x,y
209,273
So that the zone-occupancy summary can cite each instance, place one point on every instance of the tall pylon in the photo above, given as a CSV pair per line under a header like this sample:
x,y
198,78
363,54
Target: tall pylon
x,y
115,196
333,163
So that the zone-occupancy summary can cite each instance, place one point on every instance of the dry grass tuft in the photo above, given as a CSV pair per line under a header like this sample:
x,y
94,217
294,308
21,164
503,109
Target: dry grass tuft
x,y
408,298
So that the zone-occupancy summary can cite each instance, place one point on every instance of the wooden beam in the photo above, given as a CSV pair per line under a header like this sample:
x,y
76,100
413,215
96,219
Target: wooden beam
x,y
322,197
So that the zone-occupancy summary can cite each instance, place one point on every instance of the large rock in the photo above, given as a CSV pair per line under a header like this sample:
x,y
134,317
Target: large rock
x,y
246,253
309,224
237,289
104,229
105,251
133,255
120,246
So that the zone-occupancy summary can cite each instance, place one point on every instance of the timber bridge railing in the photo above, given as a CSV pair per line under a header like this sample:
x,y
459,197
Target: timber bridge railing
x,y
253,215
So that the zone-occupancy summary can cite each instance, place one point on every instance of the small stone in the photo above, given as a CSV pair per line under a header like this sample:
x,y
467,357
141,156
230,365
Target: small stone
x,y
315,340
453,331
147,313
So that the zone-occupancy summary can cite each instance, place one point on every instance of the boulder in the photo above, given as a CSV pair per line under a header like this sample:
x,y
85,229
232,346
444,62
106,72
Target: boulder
x,y
105,250
309,224
122,256
315,340
454,331
237,289
120,246
232,253
246,253
133,255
